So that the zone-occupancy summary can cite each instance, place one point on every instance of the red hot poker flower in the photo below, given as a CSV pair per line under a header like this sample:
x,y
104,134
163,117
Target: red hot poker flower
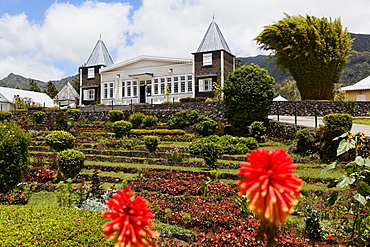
x,y
270,184
130,218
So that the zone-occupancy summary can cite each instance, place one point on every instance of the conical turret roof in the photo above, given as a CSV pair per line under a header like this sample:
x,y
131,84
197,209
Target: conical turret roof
x,y
99,56
213,40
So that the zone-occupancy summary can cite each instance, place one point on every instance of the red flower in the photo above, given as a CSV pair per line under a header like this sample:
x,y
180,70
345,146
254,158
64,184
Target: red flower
x,y
270,184
130,217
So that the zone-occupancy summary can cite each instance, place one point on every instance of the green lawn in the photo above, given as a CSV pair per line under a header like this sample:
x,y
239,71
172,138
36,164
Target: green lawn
x,y
365,121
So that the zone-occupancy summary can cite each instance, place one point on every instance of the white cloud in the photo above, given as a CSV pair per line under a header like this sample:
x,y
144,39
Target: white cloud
x,y
171,28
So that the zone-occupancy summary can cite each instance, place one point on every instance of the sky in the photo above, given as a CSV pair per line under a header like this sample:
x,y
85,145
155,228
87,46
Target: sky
x,y
49,40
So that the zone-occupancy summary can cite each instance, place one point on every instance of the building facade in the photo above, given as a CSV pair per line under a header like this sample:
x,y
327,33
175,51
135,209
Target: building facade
x,y
150,79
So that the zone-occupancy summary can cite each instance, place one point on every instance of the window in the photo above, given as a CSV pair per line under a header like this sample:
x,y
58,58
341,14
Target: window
x,y
128,88
156,86
163,84
175,84
90,73
205,85
89,94
207,59
169,84
105,96
149,87
134,88
182,84
123,89
111,90
190,83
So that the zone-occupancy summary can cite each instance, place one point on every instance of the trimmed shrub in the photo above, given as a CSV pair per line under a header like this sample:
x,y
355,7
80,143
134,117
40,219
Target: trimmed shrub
x,y
151,143
157,132
184,119
73,114
334,125
55,226
38,116
121,128
61,121
210,151
70,162
307,141
206,128
257,130
60,140
150,121
115,115
136,119
248,94
14,157
5,115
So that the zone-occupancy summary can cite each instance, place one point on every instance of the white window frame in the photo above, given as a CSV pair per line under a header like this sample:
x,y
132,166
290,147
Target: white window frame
x,y
90,73
205,85
207,59
89,94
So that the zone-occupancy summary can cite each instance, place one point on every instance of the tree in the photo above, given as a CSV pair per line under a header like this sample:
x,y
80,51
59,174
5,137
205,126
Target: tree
x,y
52,91
76,84
248,94
289,90
33,86
313,50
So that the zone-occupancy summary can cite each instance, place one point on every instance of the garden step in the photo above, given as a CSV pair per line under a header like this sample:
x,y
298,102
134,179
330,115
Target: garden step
x,y
134,153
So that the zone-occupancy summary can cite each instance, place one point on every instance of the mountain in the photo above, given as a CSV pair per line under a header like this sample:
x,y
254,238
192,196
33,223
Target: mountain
x,y
13,80
356,68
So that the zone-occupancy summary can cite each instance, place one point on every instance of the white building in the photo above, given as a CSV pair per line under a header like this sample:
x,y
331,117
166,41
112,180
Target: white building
x,y
150,79
7,97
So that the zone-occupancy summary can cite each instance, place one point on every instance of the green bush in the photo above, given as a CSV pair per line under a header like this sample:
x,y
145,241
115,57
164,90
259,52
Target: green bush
x,y
73,114
150,121
184,119
5,115
70,162
61,121
52,226
335,125
60,140
307,140
121,128
136,119
257,130
151,143
157,132
248,94
115,115
206,128
210,151
38,116
14,157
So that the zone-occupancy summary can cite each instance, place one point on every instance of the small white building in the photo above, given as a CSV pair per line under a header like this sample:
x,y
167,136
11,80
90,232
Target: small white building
x,y
67,96
8,95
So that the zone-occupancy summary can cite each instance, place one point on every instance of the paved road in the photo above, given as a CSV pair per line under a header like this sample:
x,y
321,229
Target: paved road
x,y
310,122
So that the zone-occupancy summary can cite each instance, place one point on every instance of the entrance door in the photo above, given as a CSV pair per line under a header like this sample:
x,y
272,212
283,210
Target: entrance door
x,y
142,94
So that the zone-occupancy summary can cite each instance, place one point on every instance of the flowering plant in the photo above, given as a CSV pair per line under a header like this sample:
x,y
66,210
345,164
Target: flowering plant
x,y
271,187
130,217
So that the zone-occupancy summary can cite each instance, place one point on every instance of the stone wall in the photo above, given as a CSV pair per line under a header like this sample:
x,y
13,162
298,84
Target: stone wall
x,y
307,108
213,110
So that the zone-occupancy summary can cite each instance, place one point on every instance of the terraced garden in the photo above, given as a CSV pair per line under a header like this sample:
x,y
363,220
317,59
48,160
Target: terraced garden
x,y
194,205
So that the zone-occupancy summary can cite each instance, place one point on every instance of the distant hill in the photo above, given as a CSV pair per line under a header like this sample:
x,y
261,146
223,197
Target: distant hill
x,y
356,68
13,80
